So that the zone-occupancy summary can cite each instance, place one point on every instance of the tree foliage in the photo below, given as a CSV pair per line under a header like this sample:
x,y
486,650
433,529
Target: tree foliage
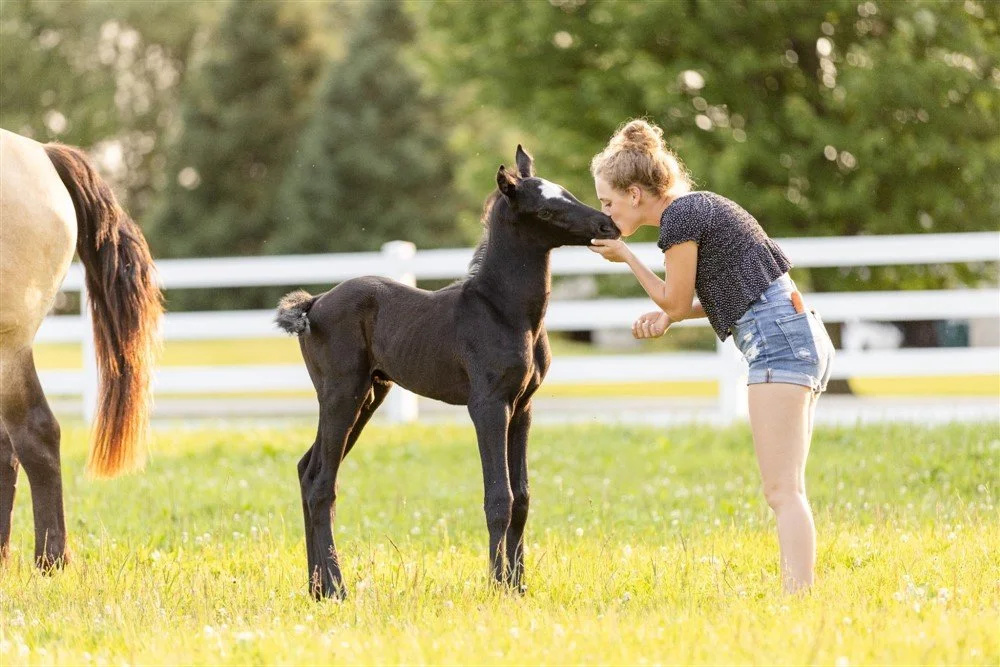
x,y
101,74
839,117
242,109
373,164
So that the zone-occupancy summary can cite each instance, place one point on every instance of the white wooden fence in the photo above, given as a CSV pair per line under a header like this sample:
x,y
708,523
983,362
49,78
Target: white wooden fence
x,y
400,260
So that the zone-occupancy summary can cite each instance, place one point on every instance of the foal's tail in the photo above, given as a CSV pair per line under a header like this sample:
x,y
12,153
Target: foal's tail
x,y
125,306
293,312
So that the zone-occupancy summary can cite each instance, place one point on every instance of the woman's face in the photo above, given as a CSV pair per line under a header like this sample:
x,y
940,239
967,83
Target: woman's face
x,y
619,205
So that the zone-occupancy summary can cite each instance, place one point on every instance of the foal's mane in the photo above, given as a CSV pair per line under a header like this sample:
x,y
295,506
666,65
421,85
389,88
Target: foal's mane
x,y
494,208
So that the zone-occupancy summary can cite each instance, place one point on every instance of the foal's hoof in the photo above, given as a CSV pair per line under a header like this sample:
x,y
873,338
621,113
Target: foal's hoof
x,y
516,588
49,563
335,593
511,587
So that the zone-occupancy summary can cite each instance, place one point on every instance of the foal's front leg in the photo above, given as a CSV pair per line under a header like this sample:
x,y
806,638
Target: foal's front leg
x,y
491,417
517,461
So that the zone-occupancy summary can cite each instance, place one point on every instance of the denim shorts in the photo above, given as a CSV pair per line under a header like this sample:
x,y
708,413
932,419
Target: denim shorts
x,y
781,345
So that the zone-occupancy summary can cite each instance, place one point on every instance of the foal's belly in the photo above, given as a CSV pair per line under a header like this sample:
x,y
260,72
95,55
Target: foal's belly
x,y
439,379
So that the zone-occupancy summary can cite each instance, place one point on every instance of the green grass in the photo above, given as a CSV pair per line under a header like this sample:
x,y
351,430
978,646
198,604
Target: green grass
x,y
644,546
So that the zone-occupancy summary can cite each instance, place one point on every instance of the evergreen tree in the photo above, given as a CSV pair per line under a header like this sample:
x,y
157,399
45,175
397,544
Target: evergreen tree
x,y
372,165
241,113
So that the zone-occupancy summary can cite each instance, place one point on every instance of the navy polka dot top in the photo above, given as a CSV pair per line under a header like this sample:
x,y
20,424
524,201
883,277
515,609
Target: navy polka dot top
x,y
737,260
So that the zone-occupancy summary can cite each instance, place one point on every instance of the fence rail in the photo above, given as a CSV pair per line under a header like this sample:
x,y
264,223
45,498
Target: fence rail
x,y
400,260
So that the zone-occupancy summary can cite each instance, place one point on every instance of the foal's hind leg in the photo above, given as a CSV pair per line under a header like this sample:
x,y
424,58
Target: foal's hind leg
x,y
341,406
309,468
379,390
34,434
8,486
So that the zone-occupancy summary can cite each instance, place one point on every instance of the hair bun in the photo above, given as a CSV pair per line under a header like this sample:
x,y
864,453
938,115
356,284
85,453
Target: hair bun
x,y
637,155
638,135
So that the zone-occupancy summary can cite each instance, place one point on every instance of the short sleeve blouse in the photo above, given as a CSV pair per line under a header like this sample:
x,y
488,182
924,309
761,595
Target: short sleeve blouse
x,y
737,260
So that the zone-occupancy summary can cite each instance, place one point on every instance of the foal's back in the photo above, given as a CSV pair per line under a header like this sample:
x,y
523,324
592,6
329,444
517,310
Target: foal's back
x,y
382,327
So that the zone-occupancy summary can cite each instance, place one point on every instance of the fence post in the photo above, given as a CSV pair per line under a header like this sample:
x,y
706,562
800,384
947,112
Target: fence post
x,y
400,404
732,383
89,352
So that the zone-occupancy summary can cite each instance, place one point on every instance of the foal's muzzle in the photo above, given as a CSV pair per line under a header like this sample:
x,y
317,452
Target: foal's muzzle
x,y
608,230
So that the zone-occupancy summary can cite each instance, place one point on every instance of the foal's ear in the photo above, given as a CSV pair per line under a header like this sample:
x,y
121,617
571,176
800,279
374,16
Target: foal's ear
x,y
506,182
525,163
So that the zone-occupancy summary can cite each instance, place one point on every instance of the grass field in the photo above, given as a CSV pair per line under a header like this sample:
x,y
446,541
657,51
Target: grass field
x,y
644,546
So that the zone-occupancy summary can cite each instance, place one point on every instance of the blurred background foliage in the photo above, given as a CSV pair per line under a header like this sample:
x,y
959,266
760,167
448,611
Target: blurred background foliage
x,y
255,127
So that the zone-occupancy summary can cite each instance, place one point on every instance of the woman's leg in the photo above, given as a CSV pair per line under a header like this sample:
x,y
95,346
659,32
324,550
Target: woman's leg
x,y
781,422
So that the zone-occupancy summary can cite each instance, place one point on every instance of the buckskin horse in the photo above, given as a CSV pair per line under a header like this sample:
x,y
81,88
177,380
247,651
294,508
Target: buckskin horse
x,y
479,342
52,201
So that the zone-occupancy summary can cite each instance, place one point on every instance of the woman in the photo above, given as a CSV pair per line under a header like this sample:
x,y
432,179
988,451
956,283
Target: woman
x,y
716,249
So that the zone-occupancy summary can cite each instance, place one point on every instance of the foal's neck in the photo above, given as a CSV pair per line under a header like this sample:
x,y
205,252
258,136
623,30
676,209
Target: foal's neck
x,y
514,276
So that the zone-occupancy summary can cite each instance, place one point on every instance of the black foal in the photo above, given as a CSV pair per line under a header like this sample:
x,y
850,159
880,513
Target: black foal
x,y
479,342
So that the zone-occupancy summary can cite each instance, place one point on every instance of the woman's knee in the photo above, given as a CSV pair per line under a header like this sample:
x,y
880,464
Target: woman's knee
x,y
783,494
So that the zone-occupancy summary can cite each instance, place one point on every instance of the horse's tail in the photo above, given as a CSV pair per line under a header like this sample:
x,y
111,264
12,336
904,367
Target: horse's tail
x,y
125,306
293,312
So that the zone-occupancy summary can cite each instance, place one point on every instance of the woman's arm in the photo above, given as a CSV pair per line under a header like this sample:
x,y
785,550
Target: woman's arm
x,y
656,323
675,295
696,311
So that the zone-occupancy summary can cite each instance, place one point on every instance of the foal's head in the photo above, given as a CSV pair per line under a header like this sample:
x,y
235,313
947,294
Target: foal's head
x,y
548,212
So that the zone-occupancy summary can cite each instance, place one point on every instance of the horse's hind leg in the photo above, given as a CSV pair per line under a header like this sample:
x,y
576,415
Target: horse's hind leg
x,y
34,435
8,486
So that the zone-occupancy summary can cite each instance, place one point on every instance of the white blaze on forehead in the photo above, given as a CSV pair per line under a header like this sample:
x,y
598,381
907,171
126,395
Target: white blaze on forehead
x,y
552,191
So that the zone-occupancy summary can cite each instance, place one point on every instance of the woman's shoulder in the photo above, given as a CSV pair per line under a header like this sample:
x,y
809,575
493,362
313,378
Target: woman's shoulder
x,y
690,205
687,218
711,204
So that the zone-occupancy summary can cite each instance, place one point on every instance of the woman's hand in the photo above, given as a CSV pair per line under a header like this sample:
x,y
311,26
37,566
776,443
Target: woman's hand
x,y
613,250
651,325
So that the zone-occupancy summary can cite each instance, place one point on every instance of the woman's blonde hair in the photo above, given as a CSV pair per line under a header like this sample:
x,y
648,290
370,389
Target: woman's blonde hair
x,y
637,155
